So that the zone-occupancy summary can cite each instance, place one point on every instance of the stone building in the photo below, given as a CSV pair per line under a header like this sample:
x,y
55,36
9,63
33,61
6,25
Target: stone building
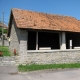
x,y
33,34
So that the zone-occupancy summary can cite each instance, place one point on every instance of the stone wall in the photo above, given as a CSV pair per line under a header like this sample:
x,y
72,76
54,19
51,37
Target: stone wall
x,y
14,38
9,61
23,46
43,57
18,41
52,57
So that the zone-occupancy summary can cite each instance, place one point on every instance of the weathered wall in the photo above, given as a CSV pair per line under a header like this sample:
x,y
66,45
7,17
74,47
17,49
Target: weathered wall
x,y
43,57
14,38
18,41
23,45
8,60
52,57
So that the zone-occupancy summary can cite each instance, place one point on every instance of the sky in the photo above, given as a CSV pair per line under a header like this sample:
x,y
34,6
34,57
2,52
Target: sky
x,y
60,7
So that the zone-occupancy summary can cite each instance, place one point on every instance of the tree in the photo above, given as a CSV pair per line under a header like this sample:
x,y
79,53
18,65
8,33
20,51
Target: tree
x,y
4,31
0,30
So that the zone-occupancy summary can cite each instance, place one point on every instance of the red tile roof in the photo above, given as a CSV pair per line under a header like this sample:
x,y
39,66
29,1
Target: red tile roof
x,y
42,21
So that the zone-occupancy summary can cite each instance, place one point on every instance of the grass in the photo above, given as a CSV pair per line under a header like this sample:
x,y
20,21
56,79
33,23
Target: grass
x,y
5,50
33,67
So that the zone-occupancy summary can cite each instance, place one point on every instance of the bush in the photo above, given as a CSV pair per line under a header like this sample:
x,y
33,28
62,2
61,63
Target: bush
x,y
4,30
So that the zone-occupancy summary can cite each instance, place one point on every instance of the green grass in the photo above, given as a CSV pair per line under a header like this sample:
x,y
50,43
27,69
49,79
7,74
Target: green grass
x,y
33,67
5,50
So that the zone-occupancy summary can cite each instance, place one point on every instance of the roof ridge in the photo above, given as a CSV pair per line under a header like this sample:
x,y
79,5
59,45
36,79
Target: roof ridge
x,y
44,13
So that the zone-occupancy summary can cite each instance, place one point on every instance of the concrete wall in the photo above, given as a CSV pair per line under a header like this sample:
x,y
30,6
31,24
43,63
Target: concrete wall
x,y
14,38
52,57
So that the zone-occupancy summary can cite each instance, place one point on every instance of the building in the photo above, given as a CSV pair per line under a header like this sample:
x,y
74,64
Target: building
x,y
1,25
31,31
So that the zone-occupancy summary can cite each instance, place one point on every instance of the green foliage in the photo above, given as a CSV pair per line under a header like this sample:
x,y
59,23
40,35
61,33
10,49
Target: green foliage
x,y
0,30
32,67
4,30
5,50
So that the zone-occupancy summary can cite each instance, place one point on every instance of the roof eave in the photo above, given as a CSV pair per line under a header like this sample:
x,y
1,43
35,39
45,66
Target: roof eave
x,y
9,24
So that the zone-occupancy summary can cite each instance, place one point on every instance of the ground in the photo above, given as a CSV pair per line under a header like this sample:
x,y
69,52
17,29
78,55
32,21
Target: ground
x,y
11,73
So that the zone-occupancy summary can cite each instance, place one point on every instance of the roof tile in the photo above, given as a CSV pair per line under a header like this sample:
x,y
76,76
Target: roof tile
x,y
36,20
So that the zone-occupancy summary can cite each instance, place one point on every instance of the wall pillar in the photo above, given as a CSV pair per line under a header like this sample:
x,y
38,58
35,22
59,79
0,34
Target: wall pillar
x,y
23,46
62,38
36,40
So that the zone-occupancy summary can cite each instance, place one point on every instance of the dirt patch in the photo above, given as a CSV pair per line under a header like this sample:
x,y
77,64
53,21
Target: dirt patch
x,y
13,73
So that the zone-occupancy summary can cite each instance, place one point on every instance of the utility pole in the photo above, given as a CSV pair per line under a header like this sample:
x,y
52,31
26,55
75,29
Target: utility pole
x,y
2,29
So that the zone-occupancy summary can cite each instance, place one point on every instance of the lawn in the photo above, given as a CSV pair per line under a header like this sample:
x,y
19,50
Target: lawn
x,y
5,50
33,67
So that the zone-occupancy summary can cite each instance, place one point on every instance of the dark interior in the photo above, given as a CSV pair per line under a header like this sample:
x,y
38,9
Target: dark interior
x,y
75,37
48,40
31,40
45,39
